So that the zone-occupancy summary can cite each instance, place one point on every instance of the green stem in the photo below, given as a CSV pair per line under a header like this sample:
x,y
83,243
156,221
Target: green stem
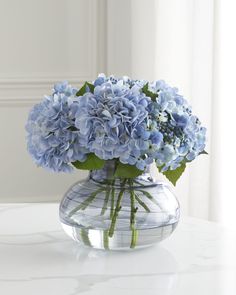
x,y
132,217
134,238
104,208
148,195
85,237
117,210
142,203
106,239
112,200
133,209
85,203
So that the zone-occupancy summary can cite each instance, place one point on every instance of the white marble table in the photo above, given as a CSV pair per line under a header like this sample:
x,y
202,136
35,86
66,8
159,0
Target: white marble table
x,y
37,258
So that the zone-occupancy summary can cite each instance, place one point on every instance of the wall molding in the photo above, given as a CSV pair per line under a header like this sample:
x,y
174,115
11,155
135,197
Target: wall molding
x,y
19,89
17,92
40,80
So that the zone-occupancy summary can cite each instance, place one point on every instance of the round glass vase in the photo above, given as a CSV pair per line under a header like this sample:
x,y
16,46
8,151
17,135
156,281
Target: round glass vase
x,y
105,212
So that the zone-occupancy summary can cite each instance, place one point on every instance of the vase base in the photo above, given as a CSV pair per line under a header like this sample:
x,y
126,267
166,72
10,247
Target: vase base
x,y
120,240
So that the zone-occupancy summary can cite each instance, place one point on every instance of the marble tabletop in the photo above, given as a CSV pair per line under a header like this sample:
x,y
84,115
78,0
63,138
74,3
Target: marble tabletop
x,y
37,258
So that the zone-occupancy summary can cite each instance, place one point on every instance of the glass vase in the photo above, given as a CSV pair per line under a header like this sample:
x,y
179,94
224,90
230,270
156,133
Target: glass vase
x,y
106,212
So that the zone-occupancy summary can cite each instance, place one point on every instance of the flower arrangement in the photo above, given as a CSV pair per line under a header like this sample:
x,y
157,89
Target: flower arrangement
x,y
134,122
119,125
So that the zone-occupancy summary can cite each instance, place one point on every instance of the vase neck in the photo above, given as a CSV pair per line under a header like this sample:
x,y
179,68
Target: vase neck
x,y
107,173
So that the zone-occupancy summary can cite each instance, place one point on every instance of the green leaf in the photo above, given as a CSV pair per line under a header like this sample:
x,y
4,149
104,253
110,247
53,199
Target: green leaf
x,y
92,163
174,175
127,171
149,93
203,153
83,89
91,87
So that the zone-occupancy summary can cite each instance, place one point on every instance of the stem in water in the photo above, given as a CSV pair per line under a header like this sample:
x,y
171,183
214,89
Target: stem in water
x,y
117,209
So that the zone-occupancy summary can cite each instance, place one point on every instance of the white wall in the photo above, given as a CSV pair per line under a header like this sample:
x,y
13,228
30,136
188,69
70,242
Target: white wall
x,y
41,42
223,196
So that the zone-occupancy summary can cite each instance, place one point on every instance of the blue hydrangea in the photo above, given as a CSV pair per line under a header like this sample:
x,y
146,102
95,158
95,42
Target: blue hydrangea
x,y
101,79
183,136
170,134
112,122
53,140
115,120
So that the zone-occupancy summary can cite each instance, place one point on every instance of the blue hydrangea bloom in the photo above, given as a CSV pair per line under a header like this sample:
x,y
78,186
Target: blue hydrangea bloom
x,y
53,140
183,136
115,121
112,121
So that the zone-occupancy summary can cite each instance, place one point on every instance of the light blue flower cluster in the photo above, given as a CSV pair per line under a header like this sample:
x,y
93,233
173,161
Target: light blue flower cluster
x,y
112,122
53,140
125,80
183,136
134,121
168,135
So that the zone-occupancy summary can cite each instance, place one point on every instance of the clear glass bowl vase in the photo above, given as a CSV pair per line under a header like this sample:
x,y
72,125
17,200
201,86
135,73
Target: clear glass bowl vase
x,y
105,212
